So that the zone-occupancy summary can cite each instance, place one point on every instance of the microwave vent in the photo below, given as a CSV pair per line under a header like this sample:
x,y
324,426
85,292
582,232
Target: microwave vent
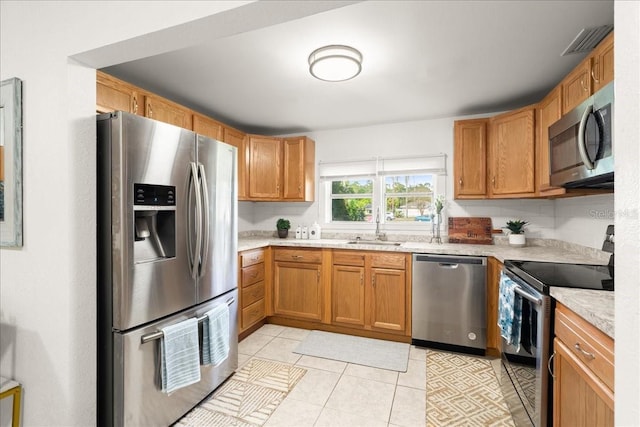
x,y
587,39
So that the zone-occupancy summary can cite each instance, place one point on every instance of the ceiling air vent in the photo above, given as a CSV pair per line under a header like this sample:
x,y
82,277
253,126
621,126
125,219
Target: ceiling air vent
x,y
587,39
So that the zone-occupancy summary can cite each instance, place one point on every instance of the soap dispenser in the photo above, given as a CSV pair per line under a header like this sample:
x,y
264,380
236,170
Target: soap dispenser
x,y
314,231
299,232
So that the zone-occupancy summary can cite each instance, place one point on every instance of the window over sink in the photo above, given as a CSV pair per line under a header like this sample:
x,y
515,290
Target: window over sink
x,y
400,190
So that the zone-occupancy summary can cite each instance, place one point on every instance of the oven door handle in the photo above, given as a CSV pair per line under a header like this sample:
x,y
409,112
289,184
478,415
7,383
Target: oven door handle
x,y
528,296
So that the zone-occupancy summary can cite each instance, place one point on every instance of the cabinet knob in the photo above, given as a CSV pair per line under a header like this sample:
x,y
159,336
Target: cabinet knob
x,y
460,182
135,105
593,72
297,256
150,110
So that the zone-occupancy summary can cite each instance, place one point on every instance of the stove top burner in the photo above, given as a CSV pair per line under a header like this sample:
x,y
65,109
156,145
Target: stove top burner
x,y
547,274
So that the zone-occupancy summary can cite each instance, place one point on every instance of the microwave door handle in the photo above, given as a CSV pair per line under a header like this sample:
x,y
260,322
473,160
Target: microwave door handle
x,y
582,147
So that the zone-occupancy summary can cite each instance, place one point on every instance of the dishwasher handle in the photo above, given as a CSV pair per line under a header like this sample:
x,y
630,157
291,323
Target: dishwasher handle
x,y
448,261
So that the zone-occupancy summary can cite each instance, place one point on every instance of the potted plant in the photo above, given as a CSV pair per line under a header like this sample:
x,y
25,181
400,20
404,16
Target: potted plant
x,y
283,226
516,232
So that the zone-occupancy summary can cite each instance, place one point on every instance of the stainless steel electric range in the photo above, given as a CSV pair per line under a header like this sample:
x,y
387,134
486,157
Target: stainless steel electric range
x,y
526,381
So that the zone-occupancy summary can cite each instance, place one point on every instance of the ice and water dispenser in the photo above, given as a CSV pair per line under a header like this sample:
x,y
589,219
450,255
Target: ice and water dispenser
x,y
154,208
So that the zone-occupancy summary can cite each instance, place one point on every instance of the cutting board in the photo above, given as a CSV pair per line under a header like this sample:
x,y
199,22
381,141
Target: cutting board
x,y
473,230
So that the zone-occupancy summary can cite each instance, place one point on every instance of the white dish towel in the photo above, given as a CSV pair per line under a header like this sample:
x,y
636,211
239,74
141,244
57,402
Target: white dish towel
x,y
179,355
215,335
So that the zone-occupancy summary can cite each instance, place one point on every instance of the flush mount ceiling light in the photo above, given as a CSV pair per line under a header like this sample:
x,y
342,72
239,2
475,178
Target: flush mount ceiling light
x,y
335,63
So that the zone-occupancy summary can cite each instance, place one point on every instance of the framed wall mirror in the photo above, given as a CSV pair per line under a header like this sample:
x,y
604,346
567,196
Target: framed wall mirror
x,y
11,162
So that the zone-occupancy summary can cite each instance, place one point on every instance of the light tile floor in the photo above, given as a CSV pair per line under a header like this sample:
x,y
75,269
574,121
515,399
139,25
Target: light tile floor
x,y
334,393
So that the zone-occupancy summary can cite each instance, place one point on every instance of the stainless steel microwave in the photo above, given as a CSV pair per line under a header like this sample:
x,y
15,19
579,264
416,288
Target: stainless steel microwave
x,y
581,144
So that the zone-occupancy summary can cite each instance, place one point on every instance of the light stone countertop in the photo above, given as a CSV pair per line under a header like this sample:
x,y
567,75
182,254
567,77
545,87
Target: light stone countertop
x,y
597,307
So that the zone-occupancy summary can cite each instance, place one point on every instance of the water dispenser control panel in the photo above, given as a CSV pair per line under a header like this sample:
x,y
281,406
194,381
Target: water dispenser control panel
x,y
154,195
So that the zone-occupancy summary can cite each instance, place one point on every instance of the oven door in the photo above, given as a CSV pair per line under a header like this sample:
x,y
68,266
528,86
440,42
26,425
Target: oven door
x,y
525,379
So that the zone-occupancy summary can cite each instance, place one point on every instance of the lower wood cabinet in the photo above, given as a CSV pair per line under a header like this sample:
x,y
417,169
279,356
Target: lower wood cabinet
x,y
251,288
494,343
369,291
583,373
297,283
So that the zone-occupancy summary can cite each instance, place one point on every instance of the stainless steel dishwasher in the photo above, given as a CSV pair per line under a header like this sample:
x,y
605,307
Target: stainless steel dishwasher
x,y
449,302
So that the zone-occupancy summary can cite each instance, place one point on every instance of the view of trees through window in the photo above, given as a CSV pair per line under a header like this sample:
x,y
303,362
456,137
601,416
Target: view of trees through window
x,y
405,198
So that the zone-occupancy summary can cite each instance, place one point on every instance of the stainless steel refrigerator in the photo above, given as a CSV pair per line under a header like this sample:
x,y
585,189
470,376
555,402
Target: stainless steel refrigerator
x,y
167,251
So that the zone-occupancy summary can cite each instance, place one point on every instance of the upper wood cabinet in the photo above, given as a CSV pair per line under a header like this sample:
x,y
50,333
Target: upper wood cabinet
x,y
265,167
163,110
115,95
511,155
576,86
208,127
602,63
470,159
595,71
238,139
299,169
281,169
548,111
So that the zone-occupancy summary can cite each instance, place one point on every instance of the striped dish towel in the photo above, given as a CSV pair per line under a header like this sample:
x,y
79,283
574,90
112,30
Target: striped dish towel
x,y
509,311
215,335
179,355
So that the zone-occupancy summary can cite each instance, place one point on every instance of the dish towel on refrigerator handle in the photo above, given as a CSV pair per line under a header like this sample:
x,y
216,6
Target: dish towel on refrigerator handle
x,y
179,355
215,335
509,311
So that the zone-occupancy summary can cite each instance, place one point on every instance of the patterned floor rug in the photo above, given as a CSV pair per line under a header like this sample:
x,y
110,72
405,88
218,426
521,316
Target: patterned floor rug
x,y
463,391
248,398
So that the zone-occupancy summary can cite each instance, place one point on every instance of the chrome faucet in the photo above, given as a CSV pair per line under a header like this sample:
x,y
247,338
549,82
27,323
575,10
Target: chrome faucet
x,y
379,235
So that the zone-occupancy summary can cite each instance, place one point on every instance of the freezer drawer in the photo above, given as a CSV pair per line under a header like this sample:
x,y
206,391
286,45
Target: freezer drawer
x,y
137,396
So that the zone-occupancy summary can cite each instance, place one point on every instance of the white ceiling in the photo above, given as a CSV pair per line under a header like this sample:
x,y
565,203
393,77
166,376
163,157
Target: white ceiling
x,y
422,60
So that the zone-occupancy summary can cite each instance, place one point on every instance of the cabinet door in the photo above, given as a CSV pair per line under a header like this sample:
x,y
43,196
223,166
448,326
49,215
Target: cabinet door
x,y
297,290
387,300
238,140
299,169
166,111
576,86
208,127
469,159
548,112
115,95
265,167
512,154
494,267
348,295
602,63
580,399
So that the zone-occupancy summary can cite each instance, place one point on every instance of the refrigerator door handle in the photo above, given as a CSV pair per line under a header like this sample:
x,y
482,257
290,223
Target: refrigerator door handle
x,y
194,255
205,219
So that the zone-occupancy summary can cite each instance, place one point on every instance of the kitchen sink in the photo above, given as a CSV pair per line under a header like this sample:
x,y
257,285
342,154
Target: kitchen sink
x,y
373,242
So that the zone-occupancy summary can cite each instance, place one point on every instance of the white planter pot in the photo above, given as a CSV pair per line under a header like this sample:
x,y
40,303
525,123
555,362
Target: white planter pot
x,y
517,240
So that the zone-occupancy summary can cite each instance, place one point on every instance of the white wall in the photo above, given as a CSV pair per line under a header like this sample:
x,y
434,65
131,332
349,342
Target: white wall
x,y
627,218
584,220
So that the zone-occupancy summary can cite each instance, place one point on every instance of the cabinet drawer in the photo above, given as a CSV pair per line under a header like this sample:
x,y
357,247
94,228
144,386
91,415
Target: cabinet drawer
x,y
251,257
253,313
252,274
252,294
388,260
593,347
298,255
348,258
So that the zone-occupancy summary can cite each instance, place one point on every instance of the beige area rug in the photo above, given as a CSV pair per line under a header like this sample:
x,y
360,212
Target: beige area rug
x,y
248,398
463,391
